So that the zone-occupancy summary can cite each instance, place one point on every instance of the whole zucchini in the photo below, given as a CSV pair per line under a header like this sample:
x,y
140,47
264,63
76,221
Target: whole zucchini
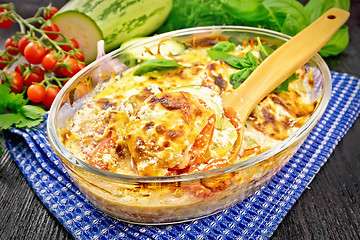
x,y
114,21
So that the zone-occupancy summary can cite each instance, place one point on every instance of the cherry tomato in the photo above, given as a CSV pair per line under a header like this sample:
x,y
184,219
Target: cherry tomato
x,y
21,68
17,82
68,48
6,22
79,56
50,95
36,93
58,71
52,28
49,61
34,52
22,43
11,46
48,14
73,67
36,76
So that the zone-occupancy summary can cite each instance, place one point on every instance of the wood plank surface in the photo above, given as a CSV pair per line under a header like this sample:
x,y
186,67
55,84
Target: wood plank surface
x,y
328,209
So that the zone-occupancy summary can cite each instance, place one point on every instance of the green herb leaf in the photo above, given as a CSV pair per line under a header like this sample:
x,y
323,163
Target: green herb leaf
x,y
252,59
337,43
265,51
236,79
27,122
247,10
315,8
246,65
9,119
2,109
224,46
9,99
156,64
31,112
284,87
195,13
289,15
340,40
233,61
20,115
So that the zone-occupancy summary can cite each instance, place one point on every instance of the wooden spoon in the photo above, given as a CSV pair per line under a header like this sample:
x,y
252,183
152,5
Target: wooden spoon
x,y
277,67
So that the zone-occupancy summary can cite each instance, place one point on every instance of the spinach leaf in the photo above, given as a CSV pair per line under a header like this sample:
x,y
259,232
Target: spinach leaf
x,y
224,46
156,64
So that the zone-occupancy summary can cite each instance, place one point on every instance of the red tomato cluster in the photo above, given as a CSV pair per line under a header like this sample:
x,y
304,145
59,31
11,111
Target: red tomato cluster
x,y
40,61
5,20
31,77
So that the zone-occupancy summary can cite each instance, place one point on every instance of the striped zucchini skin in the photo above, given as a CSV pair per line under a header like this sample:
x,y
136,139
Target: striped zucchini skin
x,y
120,20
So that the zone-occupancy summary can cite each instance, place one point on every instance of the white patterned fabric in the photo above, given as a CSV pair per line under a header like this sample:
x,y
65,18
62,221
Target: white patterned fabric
x,y
256,217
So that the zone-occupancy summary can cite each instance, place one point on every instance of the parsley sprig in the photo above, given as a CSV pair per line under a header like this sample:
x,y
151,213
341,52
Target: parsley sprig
x,y
14,110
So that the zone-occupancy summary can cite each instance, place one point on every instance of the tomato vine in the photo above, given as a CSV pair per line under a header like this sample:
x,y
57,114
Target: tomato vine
x,y
38,52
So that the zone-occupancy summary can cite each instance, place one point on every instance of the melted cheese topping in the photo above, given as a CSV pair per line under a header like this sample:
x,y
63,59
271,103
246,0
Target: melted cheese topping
x,y
135,126
162,132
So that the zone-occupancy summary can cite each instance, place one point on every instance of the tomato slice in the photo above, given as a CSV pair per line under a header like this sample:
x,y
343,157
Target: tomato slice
x,y
202,143
107,143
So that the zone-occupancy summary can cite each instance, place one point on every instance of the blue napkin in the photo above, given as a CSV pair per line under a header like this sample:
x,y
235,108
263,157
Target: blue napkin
x,y
256,217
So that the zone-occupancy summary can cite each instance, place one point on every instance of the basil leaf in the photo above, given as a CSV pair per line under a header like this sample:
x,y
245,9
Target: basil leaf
x,y
233,61
264,51
248,10
284,87
337,43
289,15
315,8
224,46
236,79
156,64
246,65
340,40
252,59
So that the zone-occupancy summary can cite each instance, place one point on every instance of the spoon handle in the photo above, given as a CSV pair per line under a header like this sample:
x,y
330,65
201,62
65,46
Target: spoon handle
x,y
283,62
